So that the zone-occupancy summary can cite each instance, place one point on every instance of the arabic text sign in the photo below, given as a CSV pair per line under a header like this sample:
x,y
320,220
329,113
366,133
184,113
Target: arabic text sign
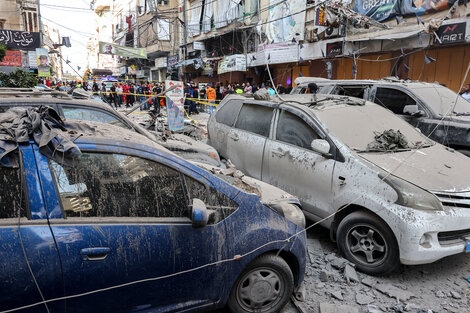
x,y
16,39
12,58
175,104
232,63
111,48
32,59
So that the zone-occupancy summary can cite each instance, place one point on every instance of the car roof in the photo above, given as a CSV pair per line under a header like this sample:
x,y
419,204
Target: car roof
x,y
385,80
108,134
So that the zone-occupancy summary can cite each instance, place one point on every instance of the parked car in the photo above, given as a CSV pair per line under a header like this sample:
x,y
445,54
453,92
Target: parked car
x,y
382,207
427,106
81,107
130,227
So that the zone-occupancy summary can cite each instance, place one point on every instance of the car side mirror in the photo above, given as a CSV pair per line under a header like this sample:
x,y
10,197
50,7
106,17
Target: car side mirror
x,y
413,110
321,146
199,214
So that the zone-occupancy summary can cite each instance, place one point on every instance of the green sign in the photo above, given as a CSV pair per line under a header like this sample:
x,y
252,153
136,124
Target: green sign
x,y
111,48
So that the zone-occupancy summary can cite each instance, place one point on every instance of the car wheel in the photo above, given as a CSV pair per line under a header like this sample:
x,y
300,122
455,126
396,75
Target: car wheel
x,y
264,286
368,242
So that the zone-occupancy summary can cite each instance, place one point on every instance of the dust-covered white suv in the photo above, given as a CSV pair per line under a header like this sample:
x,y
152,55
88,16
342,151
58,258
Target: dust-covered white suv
x,y
402,199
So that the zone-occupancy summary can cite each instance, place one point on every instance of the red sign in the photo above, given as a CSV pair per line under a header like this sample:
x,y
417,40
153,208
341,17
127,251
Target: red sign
x,y
12,58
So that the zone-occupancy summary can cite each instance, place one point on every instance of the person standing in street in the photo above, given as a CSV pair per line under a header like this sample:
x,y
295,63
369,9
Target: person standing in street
x,y
113,95
248,89
210,92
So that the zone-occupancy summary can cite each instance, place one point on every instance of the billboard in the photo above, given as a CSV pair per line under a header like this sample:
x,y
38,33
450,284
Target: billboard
x,y
175,104
113,49
378,10
232,63
42,58
12,58
420,7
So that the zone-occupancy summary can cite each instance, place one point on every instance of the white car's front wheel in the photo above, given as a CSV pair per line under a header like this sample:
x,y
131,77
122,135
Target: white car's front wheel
x,y
368,242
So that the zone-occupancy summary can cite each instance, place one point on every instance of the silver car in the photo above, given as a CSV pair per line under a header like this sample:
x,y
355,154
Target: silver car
x,y
384,206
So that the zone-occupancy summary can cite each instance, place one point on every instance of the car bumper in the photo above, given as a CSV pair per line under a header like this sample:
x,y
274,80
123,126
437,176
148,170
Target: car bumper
x,y
433,235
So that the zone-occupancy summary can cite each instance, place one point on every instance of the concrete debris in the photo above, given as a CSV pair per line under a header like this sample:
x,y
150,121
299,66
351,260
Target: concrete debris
x,y
455,295
364,299
332,308
440,294
369,281
324,277
350,274
394,292
335,261
374,309
337,295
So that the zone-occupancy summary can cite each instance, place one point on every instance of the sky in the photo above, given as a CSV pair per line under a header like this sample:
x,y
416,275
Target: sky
x,y
78,24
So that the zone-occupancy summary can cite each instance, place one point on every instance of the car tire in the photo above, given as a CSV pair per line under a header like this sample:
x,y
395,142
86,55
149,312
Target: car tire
x,y
367,241
265,286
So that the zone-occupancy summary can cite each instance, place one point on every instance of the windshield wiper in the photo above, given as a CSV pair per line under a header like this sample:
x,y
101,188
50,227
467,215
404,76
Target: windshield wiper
x,y
461,114
379,150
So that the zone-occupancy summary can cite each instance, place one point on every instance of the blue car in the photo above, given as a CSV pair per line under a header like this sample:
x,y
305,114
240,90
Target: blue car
x,y
131,227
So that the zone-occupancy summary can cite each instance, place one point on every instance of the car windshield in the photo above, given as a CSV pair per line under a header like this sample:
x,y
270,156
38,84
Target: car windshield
x,y
441,100
357,126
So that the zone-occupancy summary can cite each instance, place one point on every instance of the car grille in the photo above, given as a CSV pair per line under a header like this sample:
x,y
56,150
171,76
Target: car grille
x,y
452,236
459,200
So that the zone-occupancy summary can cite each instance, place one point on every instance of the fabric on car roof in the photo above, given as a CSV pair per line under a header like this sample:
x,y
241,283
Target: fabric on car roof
x,y
41,124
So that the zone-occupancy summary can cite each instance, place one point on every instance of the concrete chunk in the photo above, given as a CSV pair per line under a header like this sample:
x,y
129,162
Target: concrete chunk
x,y
333,308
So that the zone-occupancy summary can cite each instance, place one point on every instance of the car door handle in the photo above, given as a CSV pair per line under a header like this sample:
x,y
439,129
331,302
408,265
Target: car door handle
x,y
94,254
279,152
234,137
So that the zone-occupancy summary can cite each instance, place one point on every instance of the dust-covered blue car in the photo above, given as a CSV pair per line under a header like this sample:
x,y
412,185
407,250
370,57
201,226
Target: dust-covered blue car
x,y
130,227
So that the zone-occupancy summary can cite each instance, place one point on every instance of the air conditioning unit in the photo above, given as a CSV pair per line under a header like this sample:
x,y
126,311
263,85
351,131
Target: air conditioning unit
x,y
331,32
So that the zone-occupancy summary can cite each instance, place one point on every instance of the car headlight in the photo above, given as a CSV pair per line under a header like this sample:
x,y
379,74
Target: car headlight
x,y
290,211
412,196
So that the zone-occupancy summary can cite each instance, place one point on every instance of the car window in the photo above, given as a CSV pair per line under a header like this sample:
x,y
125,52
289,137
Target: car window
x,y
92,115
393,99
11,194
292,129
255,118
216,202
350,91
116,185
228,112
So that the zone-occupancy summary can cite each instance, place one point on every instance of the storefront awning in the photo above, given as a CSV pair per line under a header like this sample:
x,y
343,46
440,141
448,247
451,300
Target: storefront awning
x,y
392,36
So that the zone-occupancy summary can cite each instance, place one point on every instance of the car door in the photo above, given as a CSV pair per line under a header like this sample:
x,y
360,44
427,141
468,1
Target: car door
x,y
247,138
395,100
126,233
30,269
290,164
219,126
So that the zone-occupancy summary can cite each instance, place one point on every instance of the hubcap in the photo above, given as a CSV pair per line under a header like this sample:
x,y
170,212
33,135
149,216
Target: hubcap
x,y
260,289
367,245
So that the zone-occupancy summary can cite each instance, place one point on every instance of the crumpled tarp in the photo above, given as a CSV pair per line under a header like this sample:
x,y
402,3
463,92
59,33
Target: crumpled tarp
x,y
41,124
388,140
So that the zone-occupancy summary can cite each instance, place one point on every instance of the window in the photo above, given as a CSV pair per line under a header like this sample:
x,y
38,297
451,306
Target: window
x,y
392,99
218,204
255,118
292,129
115,185
351,91
228,112
11,193
92,115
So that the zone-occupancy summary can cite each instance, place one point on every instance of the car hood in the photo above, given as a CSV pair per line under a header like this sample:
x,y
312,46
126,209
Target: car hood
x,y
267,193
435,168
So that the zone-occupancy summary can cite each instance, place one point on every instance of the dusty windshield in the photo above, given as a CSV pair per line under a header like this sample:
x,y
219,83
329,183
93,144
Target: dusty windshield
x,y
359,126
442,99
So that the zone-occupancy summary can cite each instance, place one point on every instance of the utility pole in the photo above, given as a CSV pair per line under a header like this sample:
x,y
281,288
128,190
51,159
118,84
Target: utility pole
x,y
40,24
60,52
185,36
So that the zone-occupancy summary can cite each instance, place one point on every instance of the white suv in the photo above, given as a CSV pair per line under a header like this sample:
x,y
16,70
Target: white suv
x,y
318,148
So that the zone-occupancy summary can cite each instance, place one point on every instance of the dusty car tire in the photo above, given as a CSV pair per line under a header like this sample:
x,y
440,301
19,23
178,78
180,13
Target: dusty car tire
x,y
264,286
368,242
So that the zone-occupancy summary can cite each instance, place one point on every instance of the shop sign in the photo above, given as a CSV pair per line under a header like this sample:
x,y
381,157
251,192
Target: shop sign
x,y
122,70
12,58
32,59
140,73
232,63
334,49
320,17
198,45
172,60
160,62
451,33
379,10
131,70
